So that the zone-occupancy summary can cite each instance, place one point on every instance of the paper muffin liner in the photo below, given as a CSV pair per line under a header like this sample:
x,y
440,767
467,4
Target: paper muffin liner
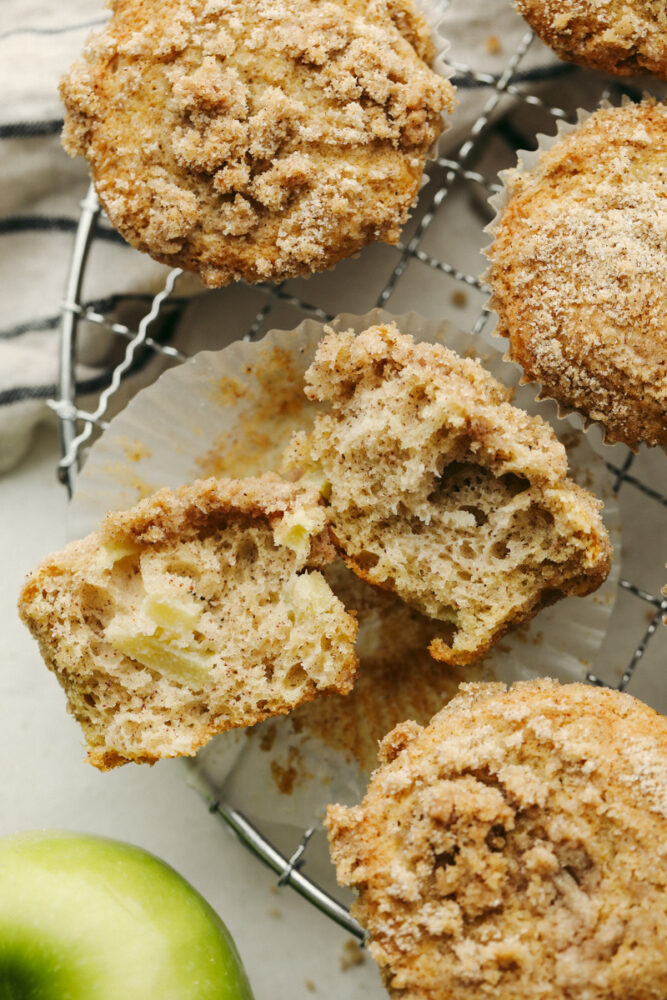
x,y
434,12
231,413
527,160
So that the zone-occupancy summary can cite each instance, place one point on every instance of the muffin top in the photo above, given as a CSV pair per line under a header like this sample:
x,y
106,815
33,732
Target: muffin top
x,y
617,36
258,139
515,848
579,271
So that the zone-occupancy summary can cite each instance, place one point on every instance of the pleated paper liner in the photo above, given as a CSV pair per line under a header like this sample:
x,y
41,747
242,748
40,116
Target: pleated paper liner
x,y
231,413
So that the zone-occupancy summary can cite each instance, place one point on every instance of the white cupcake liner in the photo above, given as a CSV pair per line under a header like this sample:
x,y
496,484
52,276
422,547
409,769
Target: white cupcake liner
x,y
527,160
231,412
434,12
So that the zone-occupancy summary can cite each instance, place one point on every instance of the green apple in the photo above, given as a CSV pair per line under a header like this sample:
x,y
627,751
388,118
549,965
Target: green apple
x,y
86,918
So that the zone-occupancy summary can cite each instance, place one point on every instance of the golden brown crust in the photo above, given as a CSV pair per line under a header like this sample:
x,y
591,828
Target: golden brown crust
x,y
515,848
579,271
616,36
256,139
198,610
443,492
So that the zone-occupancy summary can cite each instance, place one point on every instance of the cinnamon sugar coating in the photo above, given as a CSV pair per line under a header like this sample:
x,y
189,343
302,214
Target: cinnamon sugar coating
x,y
515,848
256,139
617,36
579,271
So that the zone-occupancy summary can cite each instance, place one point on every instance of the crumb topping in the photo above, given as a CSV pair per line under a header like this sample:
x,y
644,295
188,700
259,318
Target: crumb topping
x,y
256,139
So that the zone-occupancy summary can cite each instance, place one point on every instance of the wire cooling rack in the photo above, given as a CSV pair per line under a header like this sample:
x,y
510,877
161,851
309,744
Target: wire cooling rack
x,y
433,264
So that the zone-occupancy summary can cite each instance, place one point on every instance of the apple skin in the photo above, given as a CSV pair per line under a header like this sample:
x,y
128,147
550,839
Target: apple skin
x,y
87,918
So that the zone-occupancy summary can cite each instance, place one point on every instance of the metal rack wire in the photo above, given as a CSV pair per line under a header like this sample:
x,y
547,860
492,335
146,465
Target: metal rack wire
x,y
459,176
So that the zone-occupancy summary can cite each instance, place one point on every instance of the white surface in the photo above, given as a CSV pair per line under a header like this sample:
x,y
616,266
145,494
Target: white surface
x,y
286,946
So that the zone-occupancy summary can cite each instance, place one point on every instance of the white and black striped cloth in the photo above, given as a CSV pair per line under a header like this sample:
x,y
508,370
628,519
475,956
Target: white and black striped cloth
x,y
41,189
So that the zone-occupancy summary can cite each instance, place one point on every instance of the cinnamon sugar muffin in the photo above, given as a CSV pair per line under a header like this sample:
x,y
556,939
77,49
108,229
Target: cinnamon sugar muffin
x,y
515,848
196,611
579,271
256,139
441,491
617,36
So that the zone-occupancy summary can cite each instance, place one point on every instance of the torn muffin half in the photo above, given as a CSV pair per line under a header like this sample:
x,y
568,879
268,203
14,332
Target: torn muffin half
x,y
196,611
441,491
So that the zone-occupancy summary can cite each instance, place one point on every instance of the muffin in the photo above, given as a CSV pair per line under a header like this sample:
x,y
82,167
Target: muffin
x,y
617,36
515,847
198,610
441,491
256,140
579,271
